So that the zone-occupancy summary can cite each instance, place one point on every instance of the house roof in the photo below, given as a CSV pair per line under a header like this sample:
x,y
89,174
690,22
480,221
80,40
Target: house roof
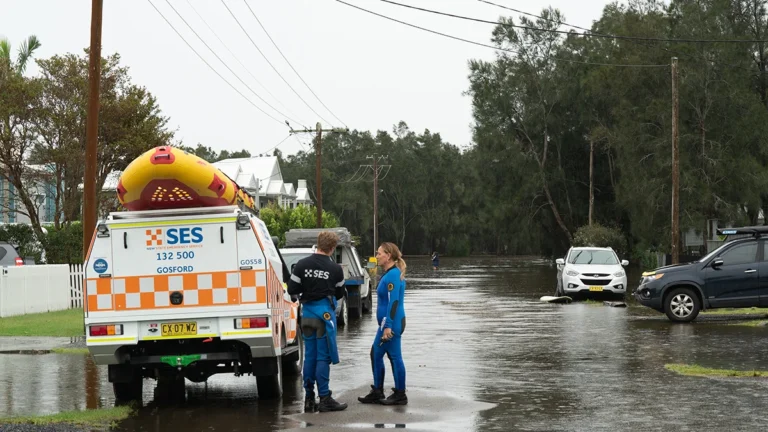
x,y
302,195
247,181
276,188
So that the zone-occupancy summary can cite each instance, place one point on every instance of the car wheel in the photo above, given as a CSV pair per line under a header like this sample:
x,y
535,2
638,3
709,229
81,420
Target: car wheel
x,y
343,317
559,290
682,305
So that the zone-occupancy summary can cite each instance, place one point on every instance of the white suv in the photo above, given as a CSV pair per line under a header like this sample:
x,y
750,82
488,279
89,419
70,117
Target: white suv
x,y
591,270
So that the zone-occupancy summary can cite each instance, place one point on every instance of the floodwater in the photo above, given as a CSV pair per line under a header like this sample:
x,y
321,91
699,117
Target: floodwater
x,y
482,354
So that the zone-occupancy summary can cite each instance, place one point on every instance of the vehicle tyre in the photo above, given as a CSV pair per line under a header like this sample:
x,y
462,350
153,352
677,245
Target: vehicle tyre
x,y
343,317
368,302
559,290
293,363
271,386
682,305
356,308
128,391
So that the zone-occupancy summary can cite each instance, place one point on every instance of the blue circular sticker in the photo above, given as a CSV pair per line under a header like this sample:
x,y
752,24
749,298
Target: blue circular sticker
x,y
100,266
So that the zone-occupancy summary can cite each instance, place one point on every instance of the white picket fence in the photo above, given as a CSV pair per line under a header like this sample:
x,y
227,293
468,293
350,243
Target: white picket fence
x,y
76,285
35,288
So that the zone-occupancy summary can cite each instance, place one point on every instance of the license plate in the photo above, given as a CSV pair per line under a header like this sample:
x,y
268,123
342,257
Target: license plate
x,y
595,288
179,329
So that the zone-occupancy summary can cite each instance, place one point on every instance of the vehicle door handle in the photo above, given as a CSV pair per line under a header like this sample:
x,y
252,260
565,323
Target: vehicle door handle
x,y
750,271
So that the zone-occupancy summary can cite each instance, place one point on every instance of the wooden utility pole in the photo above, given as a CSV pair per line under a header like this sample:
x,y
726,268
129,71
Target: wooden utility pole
x,y
675,165
92,127
318,175
318,166
591,178
376,168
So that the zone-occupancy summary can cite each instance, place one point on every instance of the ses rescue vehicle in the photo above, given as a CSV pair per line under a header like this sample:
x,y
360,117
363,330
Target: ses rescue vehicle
x,y
176,293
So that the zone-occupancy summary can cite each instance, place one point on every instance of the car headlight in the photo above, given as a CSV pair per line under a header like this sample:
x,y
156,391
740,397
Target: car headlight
x,y
619,273
572,273
653,277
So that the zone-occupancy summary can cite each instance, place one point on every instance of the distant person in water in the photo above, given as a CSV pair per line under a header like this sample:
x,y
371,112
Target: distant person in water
x,y
435,260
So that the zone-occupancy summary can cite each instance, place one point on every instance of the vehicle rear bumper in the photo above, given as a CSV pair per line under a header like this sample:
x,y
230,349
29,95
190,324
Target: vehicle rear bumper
x,y
107,349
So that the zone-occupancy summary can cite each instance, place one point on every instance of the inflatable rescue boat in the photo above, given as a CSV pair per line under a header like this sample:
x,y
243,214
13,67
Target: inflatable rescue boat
x,y
169,178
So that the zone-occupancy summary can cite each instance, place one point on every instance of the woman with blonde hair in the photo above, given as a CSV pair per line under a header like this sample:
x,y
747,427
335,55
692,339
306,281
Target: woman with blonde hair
x,y
390,315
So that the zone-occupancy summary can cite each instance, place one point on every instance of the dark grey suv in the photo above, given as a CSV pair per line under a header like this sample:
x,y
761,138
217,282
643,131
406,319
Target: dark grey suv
x,y
735,275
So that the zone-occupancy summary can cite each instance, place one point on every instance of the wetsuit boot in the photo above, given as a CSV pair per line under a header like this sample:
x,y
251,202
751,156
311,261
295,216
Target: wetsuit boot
x,y
310,404
396,398
327,403
375,396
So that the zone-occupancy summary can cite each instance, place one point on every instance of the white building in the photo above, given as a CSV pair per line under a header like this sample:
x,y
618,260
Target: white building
x,y
41,190
261,176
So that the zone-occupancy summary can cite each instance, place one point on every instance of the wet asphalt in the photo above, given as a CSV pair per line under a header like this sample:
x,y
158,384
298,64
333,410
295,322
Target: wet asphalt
x,y
482,354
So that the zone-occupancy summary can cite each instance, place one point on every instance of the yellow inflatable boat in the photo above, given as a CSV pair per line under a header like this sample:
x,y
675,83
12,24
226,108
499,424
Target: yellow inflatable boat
x,y
169,178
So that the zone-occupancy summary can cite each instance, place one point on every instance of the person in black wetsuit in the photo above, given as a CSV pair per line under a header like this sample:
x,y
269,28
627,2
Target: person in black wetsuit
x,y
320,283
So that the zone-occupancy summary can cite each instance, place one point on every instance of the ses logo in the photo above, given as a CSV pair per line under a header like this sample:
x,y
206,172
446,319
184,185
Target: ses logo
x,y
174,236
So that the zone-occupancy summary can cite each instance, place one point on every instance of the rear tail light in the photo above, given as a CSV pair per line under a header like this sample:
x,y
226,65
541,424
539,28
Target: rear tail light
x,y
19,261
245,323
106,330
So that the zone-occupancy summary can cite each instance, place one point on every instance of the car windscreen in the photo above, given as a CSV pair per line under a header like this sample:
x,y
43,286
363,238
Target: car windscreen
x,y
586,256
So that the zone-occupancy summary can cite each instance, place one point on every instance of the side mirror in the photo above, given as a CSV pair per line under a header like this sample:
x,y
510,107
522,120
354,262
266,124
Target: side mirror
x,y
624,263
275,240
560,261
717,263
293,266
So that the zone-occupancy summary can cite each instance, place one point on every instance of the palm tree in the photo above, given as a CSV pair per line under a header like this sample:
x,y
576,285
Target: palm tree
x,y
27,48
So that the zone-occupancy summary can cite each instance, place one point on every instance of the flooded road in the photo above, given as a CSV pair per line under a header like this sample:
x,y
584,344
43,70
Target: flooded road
x,y
476,332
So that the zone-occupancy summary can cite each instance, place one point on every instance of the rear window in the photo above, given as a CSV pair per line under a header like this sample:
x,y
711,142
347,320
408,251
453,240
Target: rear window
x,y
291,259
3,252
586,256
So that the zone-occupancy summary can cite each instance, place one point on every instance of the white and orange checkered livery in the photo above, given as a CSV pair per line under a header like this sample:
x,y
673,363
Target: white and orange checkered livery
x,y
153,292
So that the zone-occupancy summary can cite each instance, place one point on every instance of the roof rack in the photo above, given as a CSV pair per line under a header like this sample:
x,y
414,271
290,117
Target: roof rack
x,y
753,230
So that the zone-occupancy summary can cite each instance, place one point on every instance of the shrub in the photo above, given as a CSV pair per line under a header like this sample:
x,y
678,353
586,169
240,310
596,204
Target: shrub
x,y
598,235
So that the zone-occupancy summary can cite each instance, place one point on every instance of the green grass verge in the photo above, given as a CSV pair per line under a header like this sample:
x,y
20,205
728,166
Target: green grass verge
x,y
70,351
696,370
751,323
90,418
64,323
732,311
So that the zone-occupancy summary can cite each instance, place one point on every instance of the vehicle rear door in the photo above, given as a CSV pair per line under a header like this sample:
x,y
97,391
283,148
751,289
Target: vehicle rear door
x,y
732,277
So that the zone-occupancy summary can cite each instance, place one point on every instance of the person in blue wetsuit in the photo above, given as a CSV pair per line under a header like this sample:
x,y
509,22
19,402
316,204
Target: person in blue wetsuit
x,y
320,283
390,315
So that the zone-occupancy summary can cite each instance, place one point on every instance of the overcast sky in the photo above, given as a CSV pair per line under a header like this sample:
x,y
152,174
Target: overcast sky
x,y
370,72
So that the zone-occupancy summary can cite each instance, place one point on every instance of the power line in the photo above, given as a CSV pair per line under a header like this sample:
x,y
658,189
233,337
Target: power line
x,y
278,144
667,50
270,63
225,64
289,64
209,65
491,46
238,59
534,15
649,39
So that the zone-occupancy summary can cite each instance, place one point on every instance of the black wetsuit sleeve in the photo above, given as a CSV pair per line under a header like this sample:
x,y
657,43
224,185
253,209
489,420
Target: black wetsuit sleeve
x,y
295,286
339,282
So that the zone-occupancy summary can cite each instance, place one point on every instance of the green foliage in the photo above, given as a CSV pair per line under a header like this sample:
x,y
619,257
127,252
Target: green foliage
x,y
279,220
598,235
208,154
64,245
23,238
